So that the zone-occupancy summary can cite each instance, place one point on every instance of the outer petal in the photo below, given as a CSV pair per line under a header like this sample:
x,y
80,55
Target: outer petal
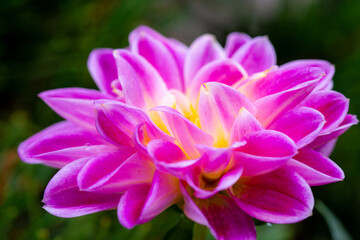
x,y
256,55
279,197
302,125
327,137
221,214
141,204
142,85
218,108
102,67
73,104
63,198
203,50
265,151
234,41
223,71
177,49
185,132
117,121
159,56
315,168
115,172
326,82
61,144
333,105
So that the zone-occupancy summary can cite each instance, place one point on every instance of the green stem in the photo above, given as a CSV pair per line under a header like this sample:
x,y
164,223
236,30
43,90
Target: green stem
x,y
199,232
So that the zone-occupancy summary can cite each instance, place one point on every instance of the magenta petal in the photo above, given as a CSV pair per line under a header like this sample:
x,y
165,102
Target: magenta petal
x,y
63,198
61,144
327,137
333,105
264,151
203,50
185,132
256,55
234,41
245,124
102,67
221,214
142,85
326,82
219,105
74,104
141,204
302,125
282,196
115,172
315,168
223,71
159,56
327,148
117,121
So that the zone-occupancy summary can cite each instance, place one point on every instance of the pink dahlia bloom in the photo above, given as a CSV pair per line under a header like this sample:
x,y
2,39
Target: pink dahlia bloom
x,y
223,133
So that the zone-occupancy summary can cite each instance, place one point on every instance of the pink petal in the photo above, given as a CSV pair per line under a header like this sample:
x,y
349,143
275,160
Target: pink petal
x,y
116,121
218,108
342,128
221,214
61,144
302,125
327,148
326,82
223,71
333,105
256,55
203,50
315,168
264,151
63,198
160,57
245,124
185,132
282,196
102,67
177,49
140,204
234,41
142,85
115,172
74,104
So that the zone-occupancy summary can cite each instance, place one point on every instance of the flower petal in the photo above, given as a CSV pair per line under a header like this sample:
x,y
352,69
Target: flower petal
x,y
63,198
281,196
302,125
234,41
264,151
315,168
203,50
219,106
74,104
333,105
61,144
116,121
102,67
115,172
140,204
159,56
185,132
256,55
142,85
244,125
221,214
326,82
223,71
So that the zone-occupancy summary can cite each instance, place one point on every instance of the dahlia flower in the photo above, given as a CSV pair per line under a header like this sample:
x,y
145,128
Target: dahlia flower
x,y
223,133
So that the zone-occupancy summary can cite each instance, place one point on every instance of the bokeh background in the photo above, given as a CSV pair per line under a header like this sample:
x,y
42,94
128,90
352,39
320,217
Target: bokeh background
x,y
45,44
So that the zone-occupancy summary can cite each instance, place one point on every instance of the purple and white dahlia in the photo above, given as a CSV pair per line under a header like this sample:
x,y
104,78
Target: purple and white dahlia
x,y
224,133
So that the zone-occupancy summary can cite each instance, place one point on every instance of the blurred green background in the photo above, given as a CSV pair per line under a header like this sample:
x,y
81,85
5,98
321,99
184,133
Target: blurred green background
x,y
45,45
